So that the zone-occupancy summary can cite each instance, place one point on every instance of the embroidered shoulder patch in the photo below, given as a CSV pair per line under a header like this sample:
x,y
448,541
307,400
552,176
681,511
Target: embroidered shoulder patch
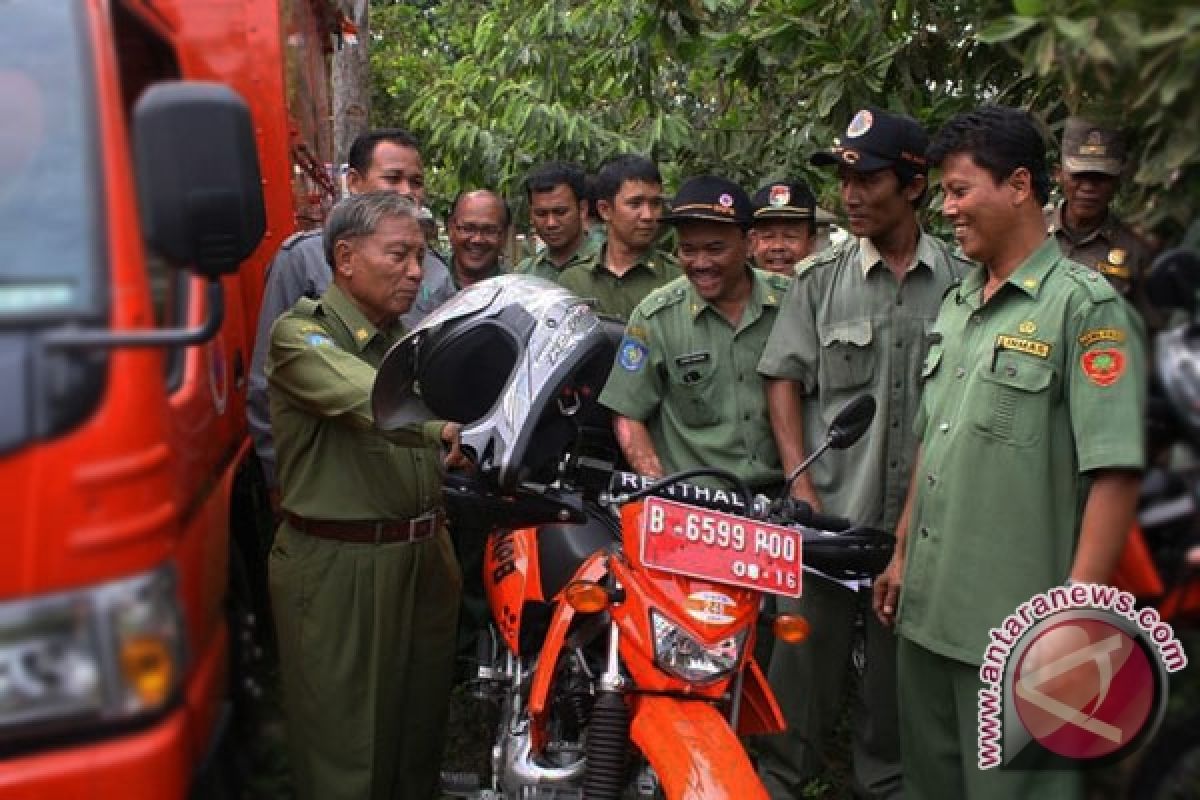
x,y
632,354
1103,367
1089,338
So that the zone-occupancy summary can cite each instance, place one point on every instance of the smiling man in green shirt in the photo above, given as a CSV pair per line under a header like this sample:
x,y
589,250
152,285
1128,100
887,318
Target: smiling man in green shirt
x,y
364,583
1030,459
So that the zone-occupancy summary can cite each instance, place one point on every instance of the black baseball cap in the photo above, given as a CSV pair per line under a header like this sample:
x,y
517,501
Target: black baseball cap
x,y
877,139
707,198
785,200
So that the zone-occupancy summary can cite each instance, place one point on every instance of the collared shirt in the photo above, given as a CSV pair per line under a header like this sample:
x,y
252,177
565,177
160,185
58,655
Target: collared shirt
x,y
619,295
497,269
299,270
1112,249
333,463
539,264
1023,396
689,374
849,328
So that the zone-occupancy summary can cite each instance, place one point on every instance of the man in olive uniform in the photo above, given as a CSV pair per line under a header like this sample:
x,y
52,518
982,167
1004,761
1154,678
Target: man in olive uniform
x,y
1029,464
855,323
558,212
1083,224
477,227
364,584
628,266
386,159
684,390
785,226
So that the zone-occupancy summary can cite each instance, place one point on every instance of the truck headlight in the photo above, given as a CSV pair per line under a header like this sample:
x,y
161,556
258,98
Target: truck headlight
x,y
100,654
676,652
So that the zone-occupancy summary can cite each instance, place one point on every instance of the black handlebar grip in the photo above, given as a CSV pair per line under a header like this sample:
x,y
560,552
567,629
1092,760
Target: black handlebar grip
x,y
803,514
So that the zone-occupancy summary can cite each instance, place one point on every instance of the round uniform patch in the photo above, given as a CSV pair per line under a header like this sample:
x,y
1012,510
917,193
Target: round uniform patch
x,y
780,195
632,355
861,123
1103,367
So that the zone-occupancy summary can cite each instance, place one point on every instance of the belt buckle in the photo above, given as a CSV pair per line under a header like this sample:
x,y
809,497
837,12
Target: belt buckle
x,y
414,525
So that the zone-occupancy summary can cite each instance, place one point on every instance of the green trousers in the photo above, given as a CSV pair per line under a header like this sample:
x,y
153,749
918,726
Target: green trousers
x,y
366,648
939,709
810,681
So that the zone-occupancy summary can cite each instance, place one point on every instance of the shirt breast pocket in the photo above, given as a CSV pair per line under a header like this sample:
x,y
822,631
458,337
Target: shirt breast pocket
x,y
848,360
693,389
1014,403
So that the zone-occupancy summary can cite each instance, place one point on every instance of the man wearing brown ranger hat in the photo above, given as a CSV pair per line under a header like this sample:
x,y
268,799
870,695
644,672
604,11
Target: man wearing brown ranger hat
x,y
785,226
1087,230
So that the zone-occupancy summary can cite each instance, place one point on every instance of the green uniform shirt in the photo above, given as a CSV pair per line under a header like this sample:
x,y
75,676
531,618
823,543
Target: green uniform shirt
x,y
1022,396
687,373
540,266
848,328
618,296
333,463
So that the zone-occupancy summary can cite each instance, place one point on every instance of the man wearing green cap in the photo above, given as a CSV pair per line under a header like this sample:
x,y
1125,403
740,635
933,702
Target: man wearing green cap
x,y
856,322
1087,230
684,388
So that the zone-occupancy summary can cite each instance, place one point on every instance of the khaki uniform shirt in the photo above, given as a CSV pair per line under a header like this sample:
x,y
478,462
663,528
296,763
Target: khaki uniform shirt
x,y
618,296
848,328
300,270
333,463
539,264
1023,395
1113,250
689,374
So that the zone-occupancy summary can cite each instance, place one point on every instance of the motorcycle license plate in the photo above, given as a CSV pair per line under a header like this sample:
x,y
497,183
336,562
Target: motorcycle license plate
x,y
724,548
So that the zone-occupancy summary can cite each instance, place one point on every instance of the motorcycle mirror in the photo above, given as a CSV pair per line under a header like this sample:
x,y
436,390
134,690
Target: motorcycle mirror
x,y
852,422
1174,279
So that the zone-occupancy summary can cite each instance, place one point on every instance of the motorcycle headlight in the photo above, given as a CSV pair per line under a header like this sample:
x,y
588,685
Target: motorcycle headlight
x,y
676,652
100,654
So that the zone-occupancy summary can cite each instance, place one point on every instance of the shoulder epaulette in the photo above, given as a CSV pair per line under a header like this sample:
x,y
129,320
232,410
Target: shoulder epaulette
x,y
664,297
297,237
1096,285
827,256
307,306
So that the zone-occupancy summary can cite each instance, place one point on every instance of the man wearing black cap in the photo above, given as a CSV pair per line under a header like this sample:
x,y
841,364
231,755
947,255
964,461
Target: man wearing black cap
x,y
854,323
684,389
785,226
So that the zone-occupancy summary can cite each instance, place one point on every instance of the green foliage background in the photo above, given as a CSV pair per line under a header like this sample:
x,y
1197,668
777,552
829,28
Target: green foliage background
x,y
750,88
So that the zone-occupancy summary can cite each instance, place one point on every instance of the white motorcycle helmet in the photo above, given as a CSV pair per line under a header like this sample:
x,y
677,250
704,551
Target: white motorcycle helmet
x,y
517,360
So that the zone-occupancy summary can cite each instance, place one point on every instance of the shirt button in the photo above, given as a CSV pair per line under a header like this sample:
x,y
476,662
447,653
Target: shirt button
x,y
895,423
898,384
893,464
924,532
746,416
1010,371
741,377
975,319
944,427
959,372
932,480
899,345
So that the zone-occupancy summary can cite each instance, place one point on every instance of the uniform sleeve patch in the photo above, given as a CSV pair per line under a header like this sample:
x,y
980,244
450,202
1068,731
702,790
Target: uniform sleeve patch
x,y
317,339
632,354
1096,335
1103,367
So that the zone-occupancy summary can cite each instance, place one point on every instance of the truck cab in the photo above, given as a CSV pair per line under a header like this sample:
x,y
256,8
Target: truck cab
x,y
128,489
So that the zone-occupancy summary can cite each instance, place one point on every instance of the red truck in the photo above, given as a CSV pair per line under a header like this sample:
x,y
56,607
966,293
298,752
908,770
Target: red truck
x,y
153,155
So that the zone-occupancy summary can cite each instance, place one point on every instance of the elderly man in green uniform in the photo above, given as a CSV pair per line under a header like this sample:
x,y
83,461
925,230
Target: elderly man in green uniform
x,y
558,211
684,390
627,267
364,584
477,227
785,226
1031,450
1083,224
856,322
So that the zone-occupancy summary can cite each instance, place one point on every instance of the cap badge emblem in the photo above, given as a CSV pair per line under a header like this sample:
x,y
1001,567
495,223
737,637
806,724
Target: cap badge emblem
x,y
1027,327
1116,256
726,200
780,195
860,124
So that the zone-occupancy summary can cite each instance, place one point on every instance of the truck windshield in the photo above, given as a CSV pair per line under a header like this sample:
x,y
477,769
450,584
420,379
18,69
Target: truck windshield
x,y
49,174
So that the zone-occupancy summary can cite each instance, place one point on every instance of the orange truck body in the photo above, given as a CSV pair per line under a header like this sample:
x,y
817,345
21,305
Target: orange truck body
x,y
145,480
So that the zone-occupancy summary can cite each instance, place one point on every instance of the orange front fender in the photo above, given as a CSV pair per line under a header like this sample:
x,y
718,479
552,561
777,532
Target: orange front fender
x,y
693,750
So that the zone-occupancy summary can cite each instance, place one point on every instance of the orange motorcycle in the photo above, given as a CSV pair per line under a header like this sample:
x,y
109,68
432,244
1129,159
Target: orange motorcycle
x,y
624,611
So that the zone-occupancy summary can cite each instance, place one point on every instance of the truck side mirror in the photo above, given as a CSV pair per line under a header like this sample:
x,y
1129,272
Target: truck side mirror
x,y
199,183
